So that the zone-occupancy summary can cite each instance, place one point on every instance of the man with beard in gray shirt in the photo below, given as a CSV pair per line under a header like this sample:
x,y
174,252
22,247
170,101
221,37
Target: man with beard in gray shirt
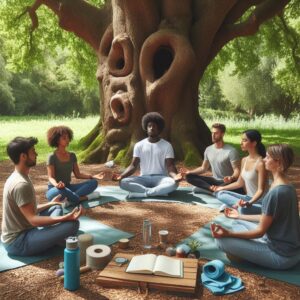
x,y
223,159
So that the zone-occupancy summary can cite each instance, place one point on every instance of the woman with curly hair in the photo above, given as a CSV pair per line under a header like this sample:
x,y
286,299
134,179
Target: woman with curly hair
x,y
60,165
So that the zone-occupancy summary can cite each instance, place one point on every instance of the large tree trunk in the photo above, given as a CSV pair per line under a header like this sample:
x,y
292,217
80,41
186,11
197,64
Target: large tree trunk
x,y
151,57
147,65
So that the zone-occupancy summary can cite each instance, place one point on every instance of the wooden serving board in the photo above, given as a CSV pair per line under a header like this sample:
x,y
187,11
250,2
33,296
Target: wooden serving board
x,y
115,276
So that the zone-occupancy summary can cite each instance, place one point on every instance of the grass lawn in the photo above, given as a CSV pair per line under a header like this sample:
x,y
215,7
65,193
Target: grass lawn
x,y
273,129
37,127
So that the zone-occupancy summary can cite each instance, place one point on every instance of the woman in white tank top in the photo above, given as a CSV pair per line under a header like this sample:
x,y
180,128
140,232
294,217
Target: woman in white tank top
x,y
252,178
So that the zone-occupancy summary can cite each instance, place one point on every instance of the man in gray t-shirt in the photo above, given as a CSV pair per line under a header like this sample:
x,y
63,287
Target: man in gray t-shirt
x,y
223,159
21,214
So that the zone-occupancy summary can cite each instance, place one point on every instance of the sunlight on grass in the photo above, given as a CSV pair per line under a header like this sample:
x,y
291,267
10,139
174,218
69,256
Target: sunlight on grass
x,y
273,129
37,127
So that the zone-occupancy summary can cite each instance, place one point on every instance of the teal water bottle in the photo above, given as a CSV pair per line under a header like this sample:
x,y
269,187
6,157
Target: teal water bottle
x,y
72,264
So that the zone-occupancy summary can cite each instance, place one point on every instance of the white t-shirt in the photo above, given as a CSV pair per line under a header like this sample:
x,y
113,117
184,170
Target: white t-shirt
x,y
153,156
221,160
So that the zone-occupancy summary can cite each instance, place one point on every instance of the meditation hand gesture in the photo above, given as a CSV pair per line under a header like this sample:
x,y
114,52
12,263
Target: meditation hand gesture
x,y
216,188
231,213
60,185
116,177
243,203
218,231
75,213
228,179
183,172
178,177
99,176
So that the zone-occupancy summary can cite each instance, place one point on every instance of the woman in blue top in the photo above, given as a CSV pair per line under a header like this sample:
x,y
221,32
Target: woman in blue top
x,y
274,242
61,163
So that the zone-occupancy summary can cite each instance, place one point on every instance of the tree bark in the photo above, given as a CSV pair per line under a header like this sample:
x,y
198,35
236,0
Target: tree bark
x,y
151,57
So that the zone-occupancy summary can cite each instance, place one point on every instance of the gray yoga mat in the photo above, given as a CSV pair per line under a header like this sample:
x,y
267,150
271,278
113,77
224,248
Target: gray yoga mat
x,y
102,234
209,250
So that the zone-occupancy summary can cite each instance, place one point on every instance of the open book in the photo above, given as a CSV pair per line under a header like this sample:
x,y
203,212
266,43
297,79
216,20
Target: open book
x,y
157,265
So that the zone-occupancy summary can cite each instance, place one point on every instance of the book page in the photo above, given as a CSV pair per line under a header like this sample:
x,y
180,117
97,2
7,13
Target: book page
x,y
166,266
142,264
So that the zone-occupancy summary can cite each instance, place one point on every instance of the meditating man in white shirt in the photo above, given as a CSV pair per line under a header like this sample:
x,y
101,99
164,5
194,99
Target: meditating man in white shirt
x,y
158,174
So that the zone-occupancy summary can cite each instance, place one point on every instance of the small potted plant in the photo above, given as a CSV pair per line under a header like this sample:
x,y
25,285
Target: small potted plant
x,y
195,251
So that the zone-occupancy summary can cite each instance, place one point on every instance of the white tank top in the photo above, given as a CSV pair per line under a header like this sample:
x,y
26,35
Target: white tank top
x,y
250,178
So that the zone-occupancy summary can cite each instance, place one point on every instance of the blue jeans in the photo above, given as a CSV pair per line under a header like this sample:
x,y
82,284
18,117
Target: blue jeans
x,y
38,240
72,192
256,250
230,198
151,185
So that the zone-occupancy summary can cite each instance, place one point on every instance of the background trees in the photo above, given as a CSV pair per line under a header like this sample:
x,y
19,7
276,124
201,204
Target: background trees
x,y
48,88
264,68
240,61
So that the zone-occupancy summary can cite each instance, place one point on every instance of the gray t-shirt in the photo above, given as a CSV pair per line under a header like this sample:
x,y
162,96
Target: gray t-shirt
x,y
18,191
221,160
63,169
283,236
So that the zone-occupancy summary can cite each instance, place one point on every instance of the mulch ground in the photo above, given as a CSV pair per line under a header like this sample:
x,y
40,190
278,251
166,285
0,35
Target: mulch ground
x,y
38,281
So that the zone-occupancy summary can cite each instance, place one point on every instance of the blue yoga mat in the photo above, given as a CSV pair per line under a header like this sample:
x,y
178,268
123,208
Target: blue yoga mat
x,y
209,250
181,195
102,234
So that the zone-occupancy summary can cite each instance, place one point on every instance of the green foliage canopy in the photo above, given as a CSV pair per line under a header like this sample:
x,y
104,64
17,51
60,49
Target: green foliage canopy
x,y
245,79
278,39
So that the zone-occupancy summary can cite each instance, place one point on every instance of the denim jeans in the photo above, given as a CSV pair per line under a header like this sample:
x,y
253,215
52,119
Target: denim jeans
x,y
152,185
256,250
230,198
205,182
38,240
72,192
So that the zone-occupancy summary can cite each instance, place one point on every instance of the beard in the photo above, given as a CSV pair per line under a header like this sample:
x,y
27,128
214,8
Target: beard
x,y
30,163
216,140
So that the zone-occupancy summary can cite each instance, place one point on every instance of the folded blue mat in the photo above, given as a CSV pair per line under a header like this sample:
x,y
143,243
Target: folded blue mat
x,y
209,250
103,234
218,281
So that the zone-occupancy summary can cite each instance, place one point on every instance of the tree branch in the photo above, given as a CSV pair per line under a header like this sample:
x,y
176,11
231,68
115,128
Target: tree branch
x,y
239,9
208,16
84,20
292,40
263,12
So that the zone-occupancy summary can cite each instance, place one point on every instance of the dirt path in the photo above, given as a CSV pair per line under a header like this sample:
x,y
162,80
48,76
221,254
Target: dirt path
x,y
38,281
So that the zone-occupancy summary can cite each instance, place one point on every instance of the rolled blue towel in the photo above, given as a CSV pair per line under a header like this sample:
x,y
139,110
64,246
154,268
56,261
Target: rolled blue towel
x,y
224,280
218,281
214,269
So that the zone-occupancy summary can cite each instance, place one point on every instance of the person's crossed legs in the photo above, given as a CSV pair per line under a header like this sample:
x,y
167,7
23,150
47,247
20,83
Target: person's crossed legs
x,y
148,185
38,240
